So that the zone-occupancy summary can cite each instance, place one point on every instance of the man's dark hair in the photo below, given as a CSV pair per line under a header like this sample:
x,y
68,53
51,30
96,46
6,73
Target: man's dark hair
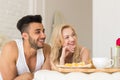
x,y
24,22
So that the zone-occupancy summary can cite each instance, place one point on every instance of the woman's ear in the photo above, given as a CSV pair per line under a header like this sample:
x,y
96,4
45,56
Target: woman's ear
x,y
24,35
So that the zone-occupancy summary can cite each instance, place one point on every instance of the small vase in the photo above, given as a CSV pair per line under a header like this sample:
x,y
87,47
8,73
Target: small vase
x,y
117,57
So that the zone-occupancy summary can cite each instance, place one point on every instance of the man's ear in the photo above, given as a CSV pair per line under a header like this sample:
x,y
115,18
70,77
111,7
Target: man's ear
x,y
24,35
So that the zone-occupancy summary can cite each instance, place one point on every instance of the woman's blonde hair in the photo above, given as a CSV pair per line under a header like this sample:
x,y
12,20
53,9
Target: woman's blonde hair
x,y
56,42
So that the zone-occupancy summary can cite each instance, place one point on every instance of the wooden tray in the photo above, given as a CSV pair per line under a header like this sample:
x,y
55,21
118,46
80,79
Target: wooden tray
x,y
108,70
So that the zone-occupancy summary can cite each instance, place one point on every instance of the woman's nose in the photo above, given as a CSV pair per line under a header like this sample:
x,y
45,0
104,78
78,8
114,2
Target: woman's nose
x,y
71,38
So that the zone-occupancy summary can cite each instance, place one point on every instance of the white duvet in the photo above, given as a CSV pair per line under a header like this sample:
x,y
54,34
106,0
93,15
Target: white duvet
x,y
54,75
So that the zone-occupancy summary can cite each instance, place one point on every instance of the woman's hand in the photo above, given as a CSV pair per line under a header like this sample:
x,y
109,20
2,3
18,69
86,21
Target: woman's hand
x,y
65,53
66,50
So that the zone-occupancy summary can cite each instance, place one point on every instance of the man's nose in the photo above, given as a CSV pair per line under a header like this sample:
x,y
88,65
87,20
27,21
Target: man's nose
x,y
43,35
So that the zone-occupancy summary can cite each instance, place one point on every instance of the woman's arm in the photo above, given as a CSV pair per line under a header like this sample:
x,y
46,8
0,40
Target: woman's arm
x,y
85,55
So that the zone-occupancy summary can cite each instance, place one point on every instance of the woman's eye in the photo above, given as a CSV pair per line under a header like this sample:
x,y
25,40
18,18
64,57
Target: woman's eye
x,y
73,34
66,37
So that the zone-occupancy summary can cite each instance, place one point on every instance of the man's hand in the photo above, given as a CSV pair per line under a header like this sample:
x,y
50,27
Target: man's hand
x,y
25,76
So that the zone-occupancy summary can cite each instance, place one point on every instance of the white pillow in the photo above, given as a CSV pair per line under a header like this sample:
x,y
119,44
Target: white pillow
x,y
76,76
100,76
48,75
116,76
54,75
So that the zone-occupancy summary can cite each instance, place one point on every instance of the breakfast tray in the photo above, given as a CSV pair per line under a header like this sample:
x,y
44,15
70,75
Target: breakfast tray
x,y
85,70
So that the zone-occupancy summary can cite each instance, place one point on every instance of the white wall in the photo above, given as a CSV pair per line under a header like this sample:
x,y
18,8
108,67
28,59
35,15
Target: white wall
x,y
96,21
10,13
106,26
76,12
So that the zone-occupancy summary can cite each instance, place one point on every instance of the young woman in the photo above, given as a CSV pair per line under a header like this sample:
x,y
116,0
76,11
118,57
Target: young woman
x,y
65,47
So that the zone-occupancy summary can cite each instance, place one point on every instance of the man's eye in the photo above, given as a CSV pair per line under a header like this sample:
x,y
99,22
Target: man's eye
x,y
43,30
38,32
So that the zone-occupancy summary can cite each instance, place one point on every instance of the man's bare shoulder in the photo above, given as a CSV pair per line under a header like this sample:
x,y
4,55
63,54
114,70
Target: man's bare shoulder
x,y
46,48
8,60
9,46
46,51
9,50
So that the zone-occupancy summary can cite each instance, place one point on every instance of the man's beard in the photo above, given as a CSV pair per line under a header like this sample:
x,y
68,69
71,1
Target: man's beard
x,y
33,44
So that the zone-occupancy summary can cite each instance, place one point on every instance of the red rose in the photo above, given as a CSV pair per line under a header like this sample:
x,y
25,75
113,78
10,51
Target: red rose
x,y
118,42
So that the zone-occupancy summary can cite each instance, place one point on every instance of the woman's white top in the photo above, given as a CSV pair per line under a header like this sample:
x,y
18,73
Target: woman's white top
x,y
21,64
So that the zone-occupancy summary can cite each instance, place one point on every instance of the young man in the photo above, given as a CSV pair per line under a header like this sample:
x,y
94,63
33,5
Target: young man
x,y
22,57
